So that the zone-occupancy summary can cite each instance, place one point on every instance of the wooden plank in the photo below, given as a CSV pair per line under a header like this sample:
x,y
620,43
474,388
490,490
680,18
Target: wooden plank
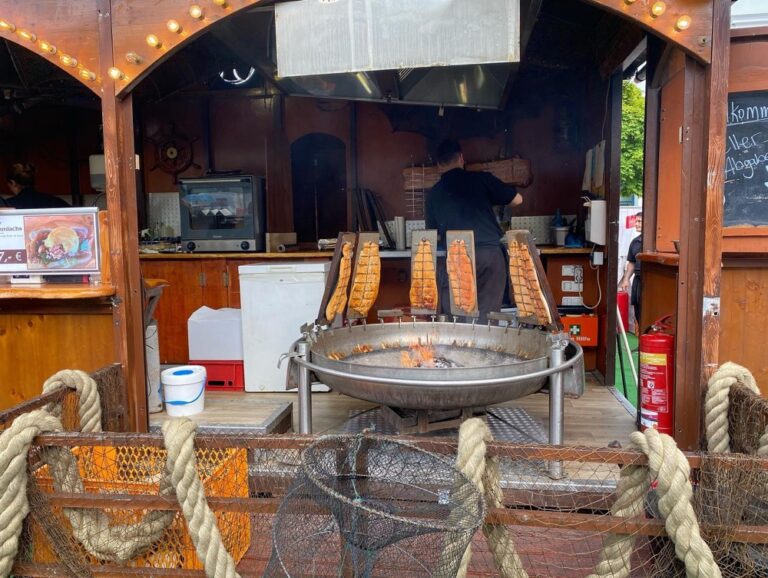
x,y
119,162
435,445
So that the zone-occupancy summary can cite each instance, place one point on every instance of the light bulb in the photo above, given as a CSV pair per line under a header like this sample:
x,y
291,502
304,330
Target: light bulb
x,y
27,35
683,23
174,26
222,3
196,12
153,41
87,74
47,47
133,58
658,9
68,60
115,73
5,25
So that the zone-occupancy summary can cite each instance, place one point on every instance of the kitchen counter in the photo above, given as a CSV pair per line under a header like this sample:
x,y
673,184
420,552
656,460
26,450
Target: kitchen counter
x,y
290,255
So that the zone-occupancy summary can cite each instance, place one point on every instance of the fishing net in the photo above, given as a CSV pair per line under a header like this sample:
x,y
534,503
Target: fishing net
x,y
373,506
369,506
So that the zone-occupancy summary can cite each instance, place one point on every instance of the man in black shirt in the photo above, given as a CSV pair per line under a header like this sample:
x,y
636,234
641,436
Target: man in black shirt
x,y
21,182
464,200
633,267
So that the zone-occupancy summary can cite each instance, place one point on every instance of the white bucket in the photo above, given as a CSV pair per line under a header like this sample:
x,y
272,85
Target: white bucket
x,y
184,390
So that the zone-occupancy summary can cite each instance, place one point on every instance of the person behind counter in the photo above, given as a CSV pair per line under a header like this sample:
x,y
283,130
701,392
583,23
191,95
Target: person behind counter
x,y
21,182
464,200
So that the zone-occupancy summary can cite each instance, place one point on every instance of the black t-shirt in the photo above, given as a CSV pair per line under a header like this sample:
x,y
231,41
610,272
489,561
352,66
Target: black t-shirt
x,y
30,198
635,248
464,200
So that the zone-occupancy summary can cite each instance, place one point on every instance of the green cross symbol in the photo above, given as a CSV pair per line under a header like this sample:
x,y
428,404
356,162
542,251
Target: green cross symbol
x,y
575,329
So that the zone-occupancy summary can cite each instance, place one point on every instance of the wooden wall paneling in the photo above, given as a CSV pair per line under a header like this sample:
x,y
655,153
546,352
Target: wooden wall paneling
x,y
670,162
748,64
40,343
659,297
71,27
278,171
119,161
744,318
696,40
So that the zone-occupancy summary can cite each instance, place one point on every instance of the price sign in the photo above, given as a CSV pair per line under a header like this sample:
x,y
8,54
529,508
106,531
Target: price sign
x,y
16,257
13,253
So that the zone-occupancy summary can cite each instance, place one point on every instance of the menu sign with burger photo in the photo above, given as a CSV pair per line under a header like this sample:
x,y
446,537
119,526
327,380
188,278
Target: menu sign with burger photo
x,y
49,241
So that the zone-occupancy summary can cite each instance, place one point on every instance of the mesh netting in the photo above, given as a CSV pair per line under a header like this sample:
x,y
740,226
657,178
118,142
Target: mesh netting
x,y
375,506
370,507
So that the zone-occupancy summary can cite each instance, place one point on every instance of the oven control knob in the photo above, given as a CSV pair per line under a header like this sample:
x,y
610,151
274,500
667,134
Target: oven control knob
x,y
191,246
245,245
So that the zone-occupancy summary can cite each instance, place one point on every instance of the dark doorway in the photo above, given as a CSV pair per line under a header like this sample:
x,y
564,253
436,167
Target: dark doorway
x,y
319,175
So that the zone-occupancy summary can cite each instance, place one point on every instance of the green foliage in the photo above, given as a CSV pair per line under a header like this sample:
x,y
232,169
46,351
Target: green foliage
x,y
632,139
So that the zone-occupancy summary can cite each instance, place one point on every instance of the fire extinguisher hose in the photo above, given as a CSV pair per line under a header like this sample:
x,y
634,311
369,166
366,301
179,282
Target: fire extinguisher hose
x,y
716,407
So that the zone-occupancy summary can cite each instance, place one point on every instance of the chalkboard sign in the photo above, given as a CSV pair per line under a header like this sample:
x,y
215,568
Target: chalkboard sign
x,y
746,162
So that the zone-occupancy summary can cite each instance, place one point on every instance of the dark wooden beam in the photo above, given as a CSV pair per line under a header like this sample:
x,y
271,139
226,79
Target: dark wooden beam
x,y
119,160
698,309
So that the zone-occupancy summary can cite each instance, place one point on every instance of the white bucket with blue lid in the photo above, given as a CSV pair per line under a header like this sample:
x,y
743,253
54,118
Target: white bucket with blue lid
x,y
183,390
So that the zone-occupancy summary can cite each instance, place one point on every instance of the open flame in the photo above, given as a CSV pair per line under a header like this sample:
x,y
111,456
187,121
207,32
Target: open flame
x,y
418,356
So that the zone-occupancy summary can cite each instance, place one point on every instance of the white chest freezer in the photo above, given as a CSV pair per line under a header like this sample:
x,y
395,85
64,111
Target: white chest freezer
x,y
276,300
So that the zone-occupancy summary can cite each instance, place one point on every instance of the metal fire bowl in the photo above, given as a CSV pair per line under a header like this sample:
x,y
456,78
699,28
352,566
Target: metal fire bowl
x,y
436,388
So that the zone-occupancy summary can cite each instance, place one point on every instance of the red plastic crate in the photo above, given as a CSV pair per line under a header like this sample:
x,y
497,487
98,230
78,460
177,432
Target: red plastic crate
x,y
223,375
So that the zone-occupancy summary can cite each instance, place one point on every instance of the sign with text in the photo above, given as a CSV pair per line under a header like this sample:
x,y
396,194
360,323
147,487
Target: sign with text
x,y
49,241
746,163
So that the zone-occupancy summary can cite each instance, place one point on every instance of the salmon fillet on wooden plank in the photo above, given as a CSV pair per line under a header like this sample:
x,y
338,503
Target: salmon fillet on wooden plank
x,y
461,276
365,286
338,300
423,278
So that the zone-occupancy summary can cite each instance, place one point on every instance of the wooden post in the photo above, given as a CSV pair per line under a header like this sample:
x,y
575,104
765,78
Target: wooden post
x,y
701,232
119,155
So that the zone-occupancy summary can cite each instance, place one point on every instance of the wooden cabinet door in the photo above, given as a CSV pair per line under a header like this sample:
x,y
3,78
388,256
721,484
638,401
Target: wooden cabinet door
x,y
214,282
233,291
183,296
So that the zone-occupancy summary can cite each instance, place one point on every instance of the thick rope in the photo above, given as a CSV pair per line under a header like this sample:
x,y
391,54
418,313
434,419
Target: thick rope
x,y
92,528
666,464
484,473
181,466
716,404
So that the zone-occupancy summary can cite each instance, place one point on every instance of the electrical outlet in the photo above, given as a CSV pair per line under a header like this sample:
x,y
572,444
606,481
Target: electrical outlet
x,y
573,301
578,274
597,258
572,287
568,270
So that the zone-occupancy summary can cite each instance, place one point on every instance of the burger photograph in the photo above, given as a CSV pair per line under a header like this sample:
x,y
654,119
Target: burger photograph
x,y
60,242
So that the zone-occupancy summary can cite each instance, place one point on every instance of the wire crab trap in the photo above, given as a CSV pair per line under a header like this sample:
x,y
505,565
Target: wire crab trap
x,y
364,506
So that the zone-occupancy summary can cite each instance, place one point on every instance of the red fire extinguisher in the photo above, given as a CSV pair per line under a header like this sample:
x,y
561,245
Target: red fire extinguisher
x,y
657,377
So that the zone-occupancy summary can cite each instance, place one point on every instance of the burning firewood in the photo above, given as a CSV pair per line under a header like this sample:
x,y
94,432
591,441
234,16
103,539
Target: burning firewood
x,y
462,277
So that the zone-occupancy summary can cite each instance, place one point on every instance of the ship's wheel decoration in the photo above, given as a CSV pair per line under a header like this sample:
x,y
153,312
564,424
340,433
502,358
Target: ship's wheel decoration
x,y
174,153
236,78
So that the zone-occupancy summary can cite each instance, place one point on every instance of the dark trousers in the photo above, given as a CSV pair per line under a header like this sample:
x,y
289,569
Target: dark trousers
x,y
635,298
491,270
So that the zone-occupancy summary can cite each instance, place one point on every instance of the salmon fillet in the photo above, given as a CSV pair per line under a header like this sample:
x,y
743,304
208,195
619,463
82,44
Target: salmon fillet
x,y
461,277
423,278
529,297
338,299
365,286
